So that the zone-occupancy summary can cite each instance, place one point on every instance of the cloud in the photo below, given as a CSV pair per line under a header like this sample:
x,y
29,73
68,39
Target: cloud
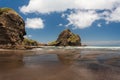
x,y
34,23
107,22
27,36
84,12
60,24
82,19
63,15
47,6
99,25
114,16
85,18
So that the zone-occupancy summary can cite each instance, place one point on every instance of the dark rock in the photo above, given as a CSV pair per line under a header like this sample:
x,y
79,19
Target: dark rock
x,y
67,38
12,28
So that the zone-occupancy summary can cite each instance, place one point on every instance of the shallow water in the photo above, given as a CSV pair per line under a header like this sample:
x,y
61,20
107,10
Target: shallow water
x,y
60,64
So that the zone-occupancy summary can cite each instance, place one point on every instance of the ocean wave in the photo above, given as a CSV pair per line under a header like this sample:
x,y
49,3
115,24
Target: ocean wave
x,y
51,48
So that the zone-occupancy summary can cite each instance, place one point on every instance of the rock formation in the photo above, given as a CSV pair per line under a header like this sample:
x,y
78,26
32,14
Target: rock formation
x,y
67,38
12,28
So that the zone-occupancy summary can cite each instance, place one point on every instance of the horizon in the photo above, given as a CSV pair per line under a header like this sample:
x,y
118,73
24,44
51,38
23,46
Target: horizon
x,y
96,22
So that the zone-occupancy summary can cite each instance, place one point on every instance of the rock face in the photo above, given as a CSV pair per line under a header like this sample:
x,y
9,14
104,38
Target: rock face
x,y
12,27
67,38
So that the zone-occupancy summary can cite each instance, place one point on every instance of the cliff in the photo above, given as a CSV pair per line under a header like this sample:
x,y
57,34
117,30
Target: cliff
x,y
67,38
12,28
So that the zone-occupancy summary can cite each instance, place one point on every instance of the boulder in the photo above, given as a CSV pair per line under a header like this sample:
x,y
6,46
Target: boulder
x,y
67,38
12,28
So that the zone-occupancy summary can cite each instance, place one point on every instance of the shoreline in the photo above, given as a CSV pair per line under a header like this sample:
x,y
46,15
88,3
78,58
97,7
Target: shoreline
x,y
22,47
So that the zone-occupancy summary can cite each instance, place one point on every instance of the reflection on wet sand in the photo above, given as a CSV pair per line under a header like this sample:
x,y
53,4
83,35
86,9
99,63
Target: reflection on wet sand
x,y
68,58
9,59
62,65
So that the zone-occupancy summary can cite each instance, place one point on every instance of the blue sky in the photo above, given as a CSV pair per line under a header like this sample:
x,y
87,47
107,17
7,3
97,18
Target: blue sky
x,y
96,21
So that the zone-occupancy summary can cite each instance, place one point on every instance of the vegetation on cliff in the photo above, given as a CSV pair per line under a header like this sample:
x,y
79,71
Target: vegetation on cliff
x,y
29,42
5,10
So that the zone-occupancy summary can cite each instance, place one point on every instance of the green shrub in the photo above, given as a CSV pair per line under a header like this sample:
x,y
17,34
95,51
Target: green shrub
x,y
52,43
30,42
4,10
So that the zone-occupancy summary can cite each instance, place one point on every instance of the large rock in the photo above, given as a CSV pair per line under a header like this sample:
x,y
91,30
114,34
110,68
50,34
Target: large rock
x,y
12,28
67,38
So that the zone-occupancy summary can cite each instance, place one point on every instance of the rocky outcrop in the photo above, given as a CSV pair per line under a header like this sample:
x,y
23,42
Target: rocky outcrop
x,y
67,38
12,28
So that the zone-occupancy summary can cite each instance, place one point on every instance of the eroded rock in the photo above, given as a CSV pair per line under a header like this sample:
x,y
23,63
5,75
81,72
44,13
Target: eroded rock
x,y
12,28
67,38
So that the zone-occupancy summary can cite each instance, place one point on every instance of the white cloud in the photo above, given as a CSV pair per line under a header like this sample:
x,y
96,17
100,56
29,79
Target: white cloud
x,y
63,15
60,24
82,19
107,22
47,6
114,16
34,23
27,36
99,25
84,16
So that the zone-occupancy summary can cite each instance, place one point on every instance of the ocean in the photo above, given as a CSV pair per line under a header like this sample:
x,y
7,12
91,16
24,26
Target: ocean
x,y
61,63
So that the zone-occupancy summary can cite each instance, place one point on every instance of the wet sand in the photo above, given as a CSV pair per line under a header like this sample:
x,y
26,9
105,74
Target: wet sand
x,y
60,65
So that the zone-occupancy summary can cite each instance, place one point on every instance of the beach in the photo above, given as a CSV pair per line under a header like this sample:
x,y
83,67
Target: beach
x,y
61,63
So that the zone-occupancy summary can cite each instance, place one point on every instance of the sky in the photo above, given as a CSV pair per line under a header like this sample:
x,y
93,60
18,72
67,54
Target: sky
x,y
96,21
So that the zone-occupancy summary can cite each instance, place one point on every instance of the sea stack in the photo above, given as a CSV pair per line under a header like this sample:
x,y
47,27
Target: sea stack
x,y
67,38
12,28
